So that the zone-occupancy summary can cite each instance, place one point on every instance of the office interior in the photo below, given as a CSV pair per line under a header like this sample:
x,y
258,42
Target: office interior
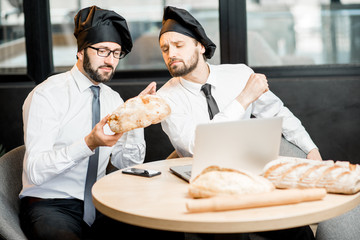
x,y
309,51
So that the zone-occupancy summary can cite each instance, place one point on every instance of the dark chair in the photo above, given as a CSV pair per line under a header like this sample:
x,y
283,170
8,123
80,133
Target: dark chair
x,y
290,150
11,166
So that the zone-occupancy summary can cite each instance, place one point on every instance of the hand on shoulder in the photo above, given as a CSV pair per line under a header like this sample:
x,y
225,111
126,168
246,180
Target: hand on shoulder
x,y
255,87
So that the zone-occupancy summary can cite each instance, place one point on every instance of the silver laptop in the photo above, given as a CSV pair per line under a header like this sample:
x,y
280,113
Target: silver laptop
x,y
246,145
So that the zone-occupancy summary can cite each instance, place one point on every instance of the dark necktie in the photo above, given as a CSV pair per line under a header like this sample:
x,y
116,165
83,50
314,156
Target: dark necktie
x,y
212,106
89,209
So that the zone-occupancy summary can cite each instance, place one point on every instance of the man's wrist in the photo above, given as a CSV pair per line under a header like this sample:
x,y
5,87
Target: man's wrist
x,y
243,100
91,145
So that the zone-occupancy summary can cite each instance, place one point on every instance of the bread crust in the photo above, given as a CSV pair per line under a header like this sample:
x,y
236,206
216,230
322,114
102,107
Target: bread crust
x,y
336,177
214,181
138,112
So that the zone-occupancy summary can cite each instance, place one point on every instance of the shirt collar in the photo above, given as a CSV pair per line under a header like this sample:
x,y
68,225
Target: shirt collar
x,y
82,82
195,88
212,76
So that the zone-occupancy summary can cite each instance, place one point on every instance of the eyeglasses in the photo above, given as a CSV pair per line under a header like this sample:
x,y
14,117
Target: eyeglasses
x,y
103,52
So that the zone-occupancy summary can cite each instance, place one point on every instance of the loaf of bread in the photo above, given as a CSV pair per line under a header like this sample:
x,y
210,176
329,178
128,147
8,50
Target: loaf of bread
x,y
214,181
335,177
138,112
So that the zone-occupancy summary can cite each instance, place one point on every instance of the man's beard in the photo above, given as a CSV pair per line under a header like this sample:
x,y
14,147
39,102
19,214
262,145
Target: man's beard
x,y
94,73
179,71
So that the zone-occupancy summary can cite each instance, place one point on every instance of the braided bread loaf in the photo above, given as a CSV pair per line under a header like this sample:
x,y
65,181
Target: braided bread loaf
x,y
335,177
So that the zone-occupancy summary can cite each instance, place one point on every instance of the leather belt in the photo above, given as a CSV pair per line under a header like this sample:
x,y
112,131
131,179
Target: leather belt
x,y
30,200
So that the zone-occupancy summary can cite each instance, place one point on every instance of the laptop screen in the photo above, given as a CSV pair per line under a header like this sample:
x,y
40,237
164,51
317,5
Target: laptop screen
x,y
246,144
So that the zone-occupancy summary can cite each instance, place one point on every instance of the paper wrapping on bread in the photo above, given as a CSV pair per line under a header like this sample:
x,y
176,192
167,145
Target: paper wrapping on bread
x,y
335,177
139,112
215,181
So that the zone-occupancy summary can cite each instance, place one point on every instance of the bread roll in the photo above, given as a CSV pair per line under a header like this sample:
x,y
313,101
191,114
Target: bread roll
x,y
214,181
138,112
335,177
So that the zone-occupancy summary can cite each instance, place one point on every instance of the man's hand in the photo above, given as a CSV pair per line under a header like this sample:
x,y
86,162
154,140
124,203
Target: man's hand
x,y
98,138
314,154
255,87
150,89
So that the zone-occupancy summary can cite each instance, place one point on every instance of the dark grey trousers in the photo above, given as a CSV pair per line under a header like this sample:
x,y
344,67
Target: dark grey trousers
x,y
59,219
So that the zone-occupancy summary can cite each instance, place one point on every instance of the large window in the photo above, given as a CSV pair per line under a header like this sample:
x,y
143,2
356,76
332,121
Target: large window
x,y
144,19
304,32
12,40
277,37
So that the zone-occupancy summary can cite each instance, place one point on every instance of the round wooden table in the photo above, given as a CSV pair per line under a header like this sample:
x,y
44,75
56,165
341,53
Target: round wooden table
x,y
160,203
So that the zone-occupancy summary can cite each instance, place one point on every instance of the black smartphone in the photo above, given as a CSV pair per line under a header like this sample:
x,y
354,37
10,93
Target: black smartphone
x,y
141,172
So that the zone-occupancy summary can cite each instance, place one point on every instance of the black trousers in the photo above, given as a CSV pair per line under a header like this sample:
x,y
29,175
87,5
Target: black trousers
x,y
62,219
54,219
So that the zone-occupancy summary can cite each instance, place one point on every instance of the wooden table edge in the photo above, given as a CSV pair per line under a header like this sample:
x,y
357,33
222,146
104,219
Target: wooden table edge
x,y
225,227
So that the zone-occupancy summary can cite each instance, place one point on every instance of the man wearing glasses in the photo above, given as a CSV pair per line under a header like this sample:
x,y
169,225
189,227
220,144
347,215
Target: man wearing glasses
x,y
68,143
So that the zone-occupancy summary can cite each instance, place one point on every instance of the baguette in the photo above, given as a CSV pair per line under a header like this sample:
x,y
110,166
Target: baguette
x,y
335,177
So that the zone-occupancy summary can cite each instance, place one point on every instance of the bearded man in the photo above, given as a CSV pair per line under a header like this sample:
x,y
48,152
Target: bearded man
x,y
202,93
68,143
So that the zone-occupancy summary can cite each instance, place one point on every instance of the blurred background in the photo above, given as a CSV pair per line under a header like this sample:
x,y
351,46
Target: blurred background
x,y
279,32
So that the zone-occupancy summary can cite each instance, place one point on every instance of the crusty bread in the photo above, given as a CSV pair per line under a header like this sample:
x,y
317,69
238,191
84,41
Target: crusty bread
x,y
335,177
214,181
138,112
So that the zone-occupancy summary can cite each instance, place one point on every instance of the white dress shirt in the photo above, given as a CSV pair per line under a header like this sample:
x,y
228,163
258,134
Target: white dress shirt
x,y
189,107
57,116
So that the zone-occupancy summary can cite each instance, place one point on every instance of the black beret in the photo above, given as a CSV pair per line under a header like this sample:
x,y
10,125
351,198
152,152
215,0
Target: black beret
x,y
94,25
181,21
